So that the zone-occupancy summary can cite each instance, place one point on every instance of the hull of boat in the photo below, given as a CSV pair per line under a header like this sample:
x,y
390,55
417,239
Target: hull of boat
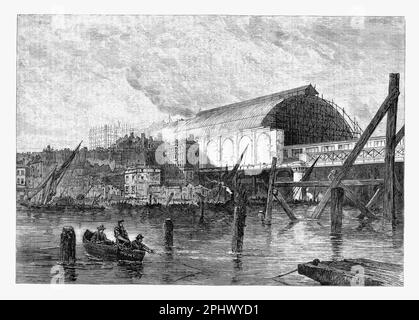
x,y
111,252
58,207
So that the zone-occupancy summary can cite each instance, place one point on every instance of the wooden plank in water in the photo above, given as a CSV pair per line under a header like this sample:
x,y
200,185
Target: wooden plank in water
x,y
327,183
374,198
285,206
358,203
353,272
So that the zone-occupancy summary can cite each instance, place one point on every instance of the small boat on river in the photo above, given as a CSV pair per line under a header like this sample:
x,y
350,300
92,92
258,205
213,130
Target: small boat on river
x,y
110,252
353,272
64,204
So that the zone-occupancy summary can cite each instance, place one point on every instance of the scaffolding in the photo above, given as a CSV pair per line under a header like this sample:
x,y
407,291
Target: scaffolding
x,y
353,123
308,119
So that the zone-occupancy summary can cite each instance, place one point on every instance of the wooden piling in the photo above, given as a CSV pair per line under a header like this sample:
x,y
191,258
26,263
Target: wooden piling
x,y
254,185
349,161
202,210
397,184
389,186
336,214
304,193
68,245
168,233
261,217
239,222
268,212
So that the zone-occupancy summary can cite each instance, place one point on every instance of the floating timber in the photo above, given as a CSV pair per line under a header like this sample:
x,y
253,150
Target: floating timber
x,y
353,272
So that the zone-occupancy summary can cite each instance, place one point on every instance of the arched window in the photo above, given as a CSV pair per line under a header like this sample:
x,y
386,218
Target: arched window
x,y
227,153
263,149
212,153
246,142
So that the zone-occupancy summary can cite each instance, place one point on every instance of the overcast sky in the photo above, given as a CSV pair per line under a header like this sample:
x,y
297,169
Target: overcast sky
x,y
74,72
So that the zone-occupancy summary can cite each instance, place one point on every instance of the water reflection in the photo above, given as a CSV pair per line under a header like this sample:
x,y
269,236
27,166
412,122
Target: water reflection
x,y
237,264
289,226
70,274
133,270
201,254
365,225
397,238
167,265
237,270
268,229
336,241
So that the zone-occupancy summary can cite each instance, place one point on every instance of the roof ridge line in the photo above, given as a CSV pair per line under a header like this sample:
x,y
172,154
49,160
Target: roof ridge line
x,y
257,99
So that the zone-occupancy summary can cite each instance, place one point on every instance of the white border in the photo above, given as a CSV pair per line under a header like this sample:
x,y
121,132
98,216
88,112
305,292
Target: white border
x,y
8,288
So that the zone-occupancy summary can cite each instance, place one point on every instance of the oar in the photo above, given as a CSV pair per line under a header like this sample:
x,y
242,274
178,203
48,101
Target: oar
x,y
186,265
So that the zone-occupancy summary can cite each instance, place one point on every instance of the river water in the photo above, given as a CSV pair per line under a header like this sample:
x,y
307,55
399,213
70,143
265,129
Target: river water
x,y
202,250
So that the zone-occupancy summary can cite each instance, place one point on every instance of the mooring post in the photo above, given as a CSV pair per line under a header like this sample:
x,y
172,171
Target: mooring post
x,y
337,197
389,203
68,245
304,193
261,217
239,222
202,210
268,212
168,233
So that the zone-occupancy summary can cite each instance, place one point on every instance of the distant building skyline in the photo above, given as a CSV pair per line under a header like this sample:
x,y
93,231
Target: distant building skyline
x,y
106,135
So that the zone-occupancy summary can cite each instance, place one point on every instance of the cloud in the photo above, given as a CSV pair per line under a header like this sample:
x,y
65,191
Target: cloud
x,y
99,68
151,91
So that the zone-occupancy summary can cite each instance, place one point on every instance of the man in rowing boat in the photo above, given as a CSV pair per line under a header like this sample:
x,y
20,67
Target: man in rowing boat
x,y
99,236
121,235
138,244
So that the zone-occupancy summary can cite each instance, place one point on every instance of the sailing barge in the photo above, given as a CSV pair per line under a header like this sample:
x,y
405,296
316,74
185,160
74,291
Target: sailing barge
x,y
43,198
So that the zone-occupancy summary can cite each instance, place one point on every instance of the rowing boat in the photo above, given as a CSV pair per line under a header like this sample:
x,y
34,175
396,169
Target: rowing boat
x,y
110,251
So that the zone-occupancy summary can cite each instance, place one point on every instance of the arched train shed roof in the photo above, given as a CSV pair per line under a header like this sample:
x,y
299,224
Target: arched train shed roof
x,y
281,110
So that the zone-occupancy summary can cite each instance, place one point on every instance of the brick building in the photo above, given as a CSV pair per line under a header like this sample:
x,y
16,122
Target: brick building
x,y
138,181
